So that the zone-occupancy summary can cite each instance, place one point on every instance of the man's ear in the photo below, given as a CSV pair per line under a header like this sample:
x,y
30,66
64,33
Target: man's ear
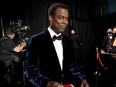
x,y
50,18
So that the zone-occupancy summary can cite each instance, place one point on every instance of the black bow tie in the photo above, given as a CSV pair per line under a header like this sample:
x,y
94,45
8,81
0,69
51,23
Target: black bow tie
x,y
57,37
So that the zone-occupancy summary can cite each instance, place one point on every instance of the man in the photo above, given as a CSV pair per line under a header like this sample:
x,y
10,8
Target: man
x,y
106,43
7,50
50,60
108,56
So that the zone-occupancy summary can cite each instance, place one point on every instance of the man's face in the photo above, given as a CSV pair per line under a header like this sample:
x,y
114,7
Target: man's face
x,y
109,30
59,21
11,36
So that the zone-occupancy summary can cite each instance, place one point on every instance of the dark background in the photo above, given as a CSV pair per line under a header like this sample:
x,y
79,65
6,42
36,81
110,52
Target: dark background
x,y
90,19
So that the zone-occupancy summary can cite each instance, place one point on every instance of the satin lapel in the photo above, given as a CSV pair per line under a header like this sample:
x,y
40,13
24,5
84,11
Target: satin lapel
x,y
51,47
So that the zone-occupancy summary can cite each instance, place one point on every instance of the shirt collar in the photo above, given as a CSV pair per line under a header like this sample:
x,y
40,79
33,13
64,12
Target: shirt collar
x,y
52,33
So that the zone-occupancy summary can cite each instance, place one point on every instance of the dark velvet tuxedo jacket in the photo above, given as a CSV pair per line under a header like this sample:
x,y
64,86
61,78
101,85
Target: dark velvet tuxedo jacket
x,y
41,63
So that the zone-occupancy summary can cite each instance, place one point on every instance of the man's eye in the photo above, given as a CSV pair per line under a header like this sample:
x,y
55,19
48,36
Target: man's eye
x,y
61,17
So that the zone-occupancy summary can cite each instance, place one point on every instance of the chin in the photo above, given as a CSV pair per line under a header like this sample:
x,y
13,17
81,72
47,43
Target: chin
x,y
62,30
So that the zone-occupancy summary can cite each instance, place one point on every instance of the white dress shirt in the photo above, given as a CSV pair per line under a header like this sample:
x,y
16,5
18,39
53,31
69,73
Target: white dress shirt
x,y
58,46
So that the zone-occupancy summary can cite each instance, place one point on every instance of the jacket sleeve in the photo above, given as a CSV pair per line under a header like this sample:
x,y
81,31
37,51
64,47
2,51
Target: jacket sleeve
x,y
76,72
31,67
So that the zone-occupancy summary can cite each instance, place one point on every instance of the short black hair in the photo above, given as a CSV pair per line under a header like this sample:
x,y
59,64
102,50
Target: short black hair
x,y
54,6
10,30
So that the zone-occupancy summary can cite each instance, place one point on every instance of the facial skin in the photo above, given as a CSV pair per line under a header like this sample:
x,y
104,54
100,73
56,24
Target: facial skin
x,y
12,36
59,21
109,30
